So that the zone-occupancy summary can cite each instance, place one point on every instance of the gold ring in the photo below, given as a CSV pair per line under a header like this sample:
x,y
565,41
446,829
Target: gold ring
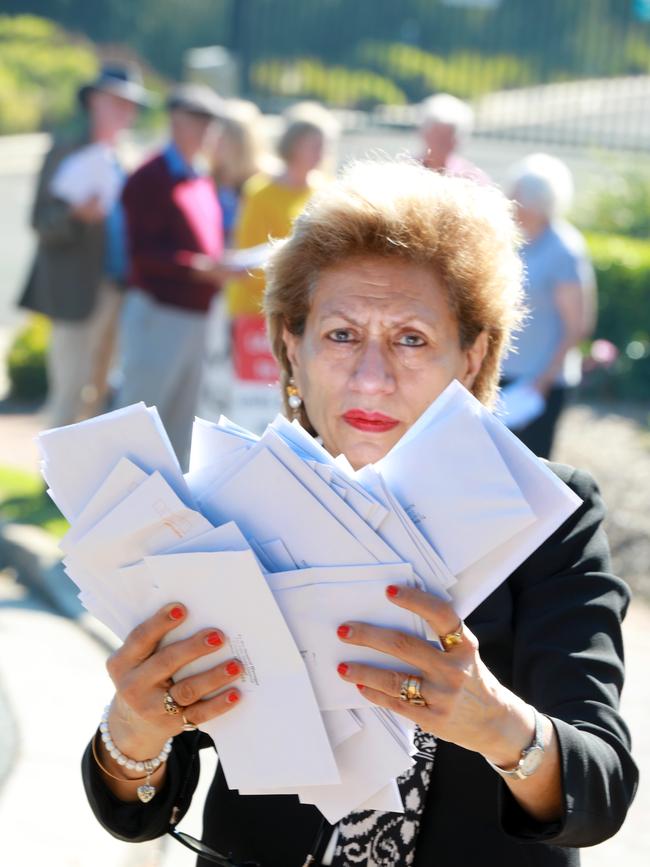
x,y
410,691
171,706
451,638
188,726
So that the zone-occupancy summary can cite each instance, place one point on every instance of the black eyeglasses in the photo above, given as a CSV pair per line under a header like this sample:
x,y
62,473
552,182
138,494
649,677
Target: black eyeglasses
x,y
207,853
215,857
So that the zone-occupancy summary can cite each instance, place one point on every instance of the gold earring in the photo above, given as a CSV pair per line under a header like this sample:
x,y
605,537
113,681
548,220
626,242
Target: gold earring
x,y
293,397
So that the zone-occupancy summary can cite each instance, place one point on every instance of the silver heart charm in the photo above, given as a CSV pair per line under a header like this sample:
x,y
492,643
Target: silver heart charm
x,y
146,793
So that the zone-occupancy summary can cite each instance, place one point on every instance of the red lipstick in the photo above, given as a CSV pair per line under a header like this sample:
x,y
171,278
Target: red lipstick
x,y
375,422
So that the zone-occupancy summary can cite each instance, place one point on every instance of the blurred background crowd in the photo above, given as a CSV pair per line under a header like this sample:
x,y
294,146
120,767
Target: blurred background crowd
x,y
149,152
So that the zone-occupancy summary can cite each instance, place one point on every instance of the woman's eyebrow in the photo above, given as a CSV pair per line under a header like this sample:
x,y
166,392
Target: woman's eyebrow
x,y
340,314
411,319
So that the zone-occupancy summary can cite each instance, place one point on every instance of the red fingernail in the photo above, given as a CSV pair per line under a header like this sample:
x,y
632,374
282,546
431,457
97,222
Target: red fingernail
x,y
360,687
233,697
342,669
343,631
214,639
392,590
176,613
233,668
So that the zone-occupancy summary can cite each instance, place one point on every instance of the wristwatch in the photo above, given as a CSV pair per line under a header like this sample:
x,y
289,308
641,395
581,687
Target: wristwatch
x,y
531,757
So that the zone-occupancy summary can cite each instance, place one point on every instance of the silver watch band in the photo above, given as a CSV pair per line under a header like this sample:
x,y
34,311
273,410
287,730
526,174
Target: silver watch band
x,y
526,767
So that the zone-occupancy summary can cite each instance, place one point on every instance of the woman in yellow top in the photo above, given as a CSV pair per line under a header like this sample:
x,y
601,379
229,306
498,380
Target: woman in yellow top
x,y
271,203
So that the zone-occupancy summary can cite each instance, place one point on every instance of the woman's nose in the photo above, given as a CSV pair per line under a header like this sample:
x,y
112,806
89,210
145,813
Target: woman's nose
x,y
372,371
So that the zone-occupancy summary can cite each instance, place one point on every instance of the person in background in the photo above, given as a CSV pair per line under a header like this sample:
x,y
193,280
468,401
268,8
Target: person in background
x,y
79,270
446,123
236,153
271,202
174,230
239,152
560,292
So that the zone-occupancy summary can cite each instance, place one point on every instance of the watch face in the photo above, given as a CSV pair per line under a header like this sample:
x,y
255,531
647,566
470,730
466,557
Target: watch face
x,y
531,761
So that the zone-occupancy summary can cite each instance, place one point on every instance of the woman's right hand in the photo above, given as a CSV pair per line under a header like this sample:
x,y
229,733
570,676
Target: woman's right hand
x,y
143,672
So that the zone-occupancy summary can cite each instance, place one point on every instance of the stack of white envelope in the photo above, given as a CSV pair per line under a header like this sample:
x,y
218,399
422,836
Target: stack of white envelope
x,y
276,543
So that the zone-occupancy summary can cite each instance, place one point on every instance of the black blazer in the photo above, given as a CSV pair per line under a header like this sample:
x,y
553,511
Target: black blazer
x,y
551,633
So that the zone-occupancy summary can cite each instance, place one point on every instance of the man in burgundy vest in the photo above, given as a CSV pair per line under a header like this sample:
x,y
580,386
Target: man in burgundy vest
x,y
175,239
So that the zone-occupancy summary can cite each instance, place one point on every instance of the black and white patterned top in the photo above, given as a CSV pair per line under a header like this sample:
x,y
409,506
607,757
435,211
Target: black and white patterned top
x,y
369,838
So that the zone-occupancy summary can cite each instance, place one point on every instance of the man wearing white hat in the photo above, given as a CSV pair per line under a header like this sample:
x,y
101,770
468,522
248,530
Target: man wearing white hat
x,y
80,263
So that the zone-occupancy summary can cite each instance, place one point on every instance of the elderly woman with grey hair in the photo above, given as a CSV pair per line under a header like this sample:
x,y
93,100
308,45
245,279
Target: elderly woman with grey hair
x,y
560,294
394,282
446,123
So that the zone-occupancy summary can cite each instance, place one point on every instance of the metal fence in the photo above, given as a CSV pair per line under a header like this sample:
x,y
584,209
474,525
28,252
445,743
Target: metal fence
x,y
570,72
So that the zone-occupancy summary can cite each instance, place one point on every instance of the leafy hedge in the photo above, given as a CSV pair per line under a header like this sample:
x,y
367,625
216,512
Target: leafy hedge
x,y
335,85
623,273
389,73
26,362
41,69
466,74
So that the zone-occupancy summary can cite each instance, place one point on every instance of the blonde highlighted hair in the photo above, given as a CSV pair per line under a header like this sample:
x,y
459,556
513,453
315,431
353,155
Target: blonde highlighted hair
x,y
463,232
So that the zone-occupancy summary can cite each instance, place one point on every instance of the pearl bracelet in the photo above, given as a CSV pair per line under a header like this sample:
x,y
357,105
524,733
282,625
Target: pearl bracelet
x,y
147,791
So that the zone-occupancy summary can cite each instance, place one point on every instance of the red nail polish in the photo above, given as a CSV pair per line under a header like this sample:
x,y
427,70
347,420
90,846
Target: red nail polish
x,y
176,613
360,687
343,631
342,669
233,668
214,639
233,697
392,590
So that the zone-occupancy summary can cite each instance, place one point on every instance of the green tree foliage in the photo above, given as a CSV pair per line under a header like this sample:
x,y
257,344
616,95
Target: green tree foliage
x,y
619,206
467,74
555,38
335,85
41,69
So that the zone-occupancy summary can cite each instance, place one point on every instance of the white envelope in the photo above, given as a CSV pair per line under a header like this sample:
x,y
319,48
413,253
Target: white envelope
x,y
267,502
210,443
368,762
329,498
80,456
123,479
552,501
150,520
314,611
276,736
453,483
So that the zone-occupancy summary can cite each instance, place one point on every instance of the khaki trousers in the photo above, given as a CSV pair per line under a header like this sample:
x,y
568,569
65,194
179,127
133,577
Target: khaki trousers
x,y
79,359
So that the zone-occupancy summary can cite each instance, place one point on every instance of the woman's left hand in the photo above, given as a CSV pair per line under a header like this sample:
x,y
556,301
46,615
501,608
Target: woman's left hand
x,y
465,703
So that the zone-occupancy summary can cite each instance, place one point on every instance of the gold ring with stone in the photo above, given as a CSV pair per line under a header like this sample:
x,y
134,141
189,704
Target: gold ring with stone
x,y
410,690
171,706
187,725
452,638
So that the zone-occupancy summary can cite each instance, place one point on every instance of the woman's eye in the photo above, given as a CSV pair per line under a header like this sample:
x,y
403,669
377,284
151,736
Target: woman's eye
x,y
411,340
341,335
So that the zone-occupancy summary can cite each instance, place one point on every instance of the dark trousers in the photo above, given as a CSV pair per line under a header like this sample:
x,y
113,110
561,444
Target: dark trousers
x,y
539,434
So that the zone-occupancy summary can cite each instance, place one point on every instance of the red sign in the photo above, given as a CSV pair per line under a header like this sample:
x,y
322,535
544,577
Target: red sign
x,y
252,358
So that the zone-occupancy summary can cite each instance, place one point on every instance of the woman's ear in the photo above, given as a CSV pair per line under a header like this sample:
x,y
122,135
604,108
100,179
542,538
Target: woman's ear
x,y
474,356
291,344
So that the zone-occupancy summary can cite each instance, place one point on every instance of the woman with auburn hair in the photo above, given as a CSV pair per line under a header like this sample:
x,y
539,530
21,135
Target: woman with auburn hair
x,y
394,282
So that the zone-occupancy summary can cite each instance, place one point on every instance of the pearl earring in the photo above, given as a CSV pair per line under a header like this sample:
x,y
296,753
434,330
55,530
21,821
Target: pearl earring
x,y
293,398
